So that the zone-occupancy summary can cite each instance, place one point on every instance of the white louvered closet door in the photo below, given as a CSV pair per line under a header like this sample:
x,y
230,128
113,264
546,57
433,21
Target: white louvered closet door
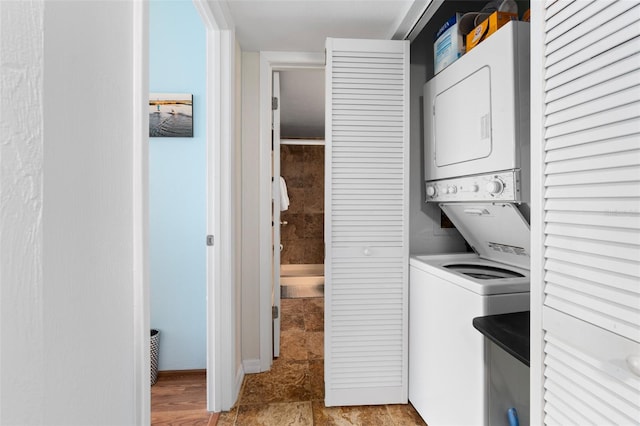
x,y
590,199
366,222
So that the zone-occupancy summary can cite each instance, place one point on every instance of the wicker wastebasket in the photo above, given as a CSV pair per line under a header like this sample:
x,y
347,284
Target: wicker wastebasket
x,y
155,349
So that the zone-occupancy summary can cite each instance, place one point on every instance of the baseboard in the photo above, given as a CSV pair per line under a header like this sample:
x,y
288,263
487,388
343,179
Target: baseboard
x,y
251,366
181,373
239,380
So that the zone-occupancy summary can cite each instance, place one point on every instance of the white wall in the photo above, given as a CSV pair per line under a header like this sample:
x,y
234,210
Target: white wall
x,y
237,186
250,211
21,194
67,209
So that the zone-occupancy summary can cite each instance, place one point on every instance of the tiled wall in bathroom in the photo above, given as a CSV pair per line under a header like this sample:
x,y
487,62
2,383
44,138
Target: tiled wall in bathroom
x,y
302,167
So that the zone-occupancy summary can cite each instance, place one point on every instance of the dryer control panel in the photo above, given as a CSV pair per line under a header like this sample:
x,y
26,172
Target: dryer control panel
x,y
499,186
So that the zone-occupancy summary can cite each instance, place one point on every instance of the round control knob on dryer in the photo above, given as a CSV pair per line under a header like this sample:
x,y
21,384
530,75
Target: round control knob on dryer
x,y
473,188
431,191
494,187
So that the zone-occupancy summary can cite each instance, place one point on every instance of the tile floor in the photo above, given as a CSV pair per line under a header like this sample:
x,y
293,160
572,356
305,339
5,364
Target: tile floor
x,y
292,392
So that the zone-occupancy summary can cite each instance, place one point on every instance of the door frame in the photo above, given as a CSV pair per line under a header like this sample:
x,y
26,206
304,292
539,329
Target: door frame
x,y
223,379
276,220
140,237
270,62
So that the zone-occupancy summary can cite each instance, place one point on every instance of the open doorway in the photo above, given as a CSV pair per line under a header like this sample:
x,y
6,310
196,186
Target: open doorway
x,y
216,239
297,170
270,291
177,186
302,169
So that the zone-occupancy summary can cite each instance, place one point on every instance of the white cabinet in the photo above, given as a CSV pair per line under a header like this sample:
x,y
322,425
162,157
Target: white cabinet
x,y
585,217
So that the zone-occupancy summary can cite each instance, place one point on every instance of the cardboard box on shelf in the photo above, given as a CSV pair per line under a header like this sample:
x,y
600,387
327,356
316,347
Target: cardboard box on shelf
x,y
488,27
448,45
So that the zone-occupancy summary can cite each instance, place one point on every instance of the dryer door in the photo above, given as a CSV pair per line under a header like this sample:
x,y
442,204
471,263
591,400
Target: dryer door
x,y
496,231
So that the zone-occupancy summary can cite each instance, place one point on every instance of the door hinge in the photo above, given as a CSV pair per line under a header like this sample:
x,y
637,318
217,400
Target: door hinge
x,y
274,103
209,240
274,312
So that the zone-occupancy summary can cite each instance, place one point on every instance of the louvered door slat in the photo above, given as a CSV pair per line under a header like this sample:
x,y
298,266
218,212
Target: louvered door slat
x,y
622,174
609,146
556,6
580,73
590,16
608,160
581,11
558,12
559,413
595,218
575,302
597,134
602,81
600,292
579,257
589,102
379,80
610,34
364,70
606,248
590,222
612,115
595,233
366,235
623,286
613,206
604,190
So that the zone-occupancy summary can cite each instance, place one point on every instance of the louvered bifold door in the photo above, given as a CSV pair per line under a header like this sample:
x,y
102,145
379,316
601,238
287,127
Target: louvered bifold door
x,y
366,222
591,272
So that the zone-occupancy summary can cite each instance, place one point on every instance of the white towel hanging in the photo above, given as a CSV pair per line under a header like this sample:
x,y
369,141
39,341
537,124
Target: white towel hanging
x,y
284,196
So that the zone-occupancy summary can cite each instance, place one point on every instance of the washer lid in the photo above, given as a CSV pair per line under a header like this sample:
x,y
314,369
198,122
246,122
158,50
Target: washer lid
x,y
495,231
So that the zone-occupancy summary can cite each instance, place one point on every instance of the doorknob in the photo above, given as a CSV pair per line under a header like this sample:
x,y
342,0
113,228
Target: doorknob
x,y
284,222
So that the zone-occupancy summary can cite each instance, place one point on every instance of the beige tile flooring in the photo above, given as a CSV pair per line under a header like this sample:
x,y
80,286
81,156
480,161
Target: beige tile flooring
x,y
292,392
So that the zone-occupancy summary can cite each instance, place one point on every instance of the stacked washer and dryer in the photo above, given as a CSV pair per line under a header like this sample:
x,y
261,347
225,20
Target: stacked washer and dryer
x,y
477,170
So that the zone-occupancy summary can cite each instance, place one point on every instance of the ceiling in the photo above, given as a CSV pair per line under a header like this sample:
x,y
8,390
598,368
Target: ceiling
x,y
303,25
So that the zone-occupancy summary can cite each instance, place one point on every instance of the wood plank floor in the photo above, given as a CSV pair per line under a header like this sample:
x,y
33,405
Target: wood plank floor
x,y
180,398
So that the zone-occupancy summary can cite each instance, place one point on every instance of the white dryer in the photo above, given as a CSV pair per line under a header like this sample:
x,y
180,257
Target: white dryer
x,y
447,375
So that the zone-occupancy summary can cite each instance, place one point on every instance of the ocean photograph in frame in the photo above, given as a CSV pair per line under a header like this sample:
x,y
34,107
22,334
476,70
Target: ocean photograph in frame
x,y
171,115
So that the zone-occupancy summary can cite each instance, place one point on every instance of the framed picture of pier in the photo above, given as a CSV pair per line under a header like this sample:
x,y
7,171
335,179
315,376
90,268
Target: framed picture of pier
x,y
171,115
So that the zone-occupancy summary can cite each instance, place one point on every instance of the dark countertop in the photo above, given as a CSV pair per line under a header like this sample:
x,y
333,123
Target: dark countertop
x,y
509,331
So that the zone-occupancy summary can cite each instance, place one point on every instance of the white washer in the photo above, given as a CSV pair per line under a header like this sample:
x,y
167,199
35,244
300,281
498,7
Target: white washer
x,y
447,371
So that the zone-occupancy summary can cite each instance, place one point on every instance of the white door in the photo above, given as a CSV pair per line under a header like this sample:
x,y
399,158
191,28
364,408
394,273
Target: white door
x,y
275,178
585,141
366,221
